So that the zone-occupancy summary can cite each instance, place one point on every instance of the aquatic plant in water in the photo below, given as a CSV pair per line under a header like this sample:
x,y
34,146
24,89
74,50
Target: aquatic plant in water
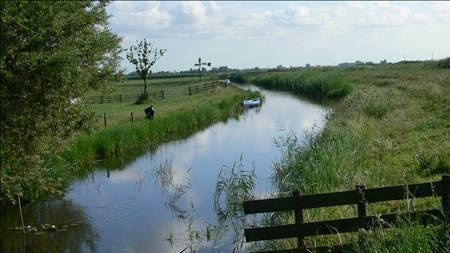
x,y
234,185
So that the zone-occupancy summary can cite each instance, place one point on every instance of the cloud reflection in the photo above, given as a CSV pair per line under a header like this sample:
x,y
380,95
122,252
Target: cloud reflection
x,y
139,203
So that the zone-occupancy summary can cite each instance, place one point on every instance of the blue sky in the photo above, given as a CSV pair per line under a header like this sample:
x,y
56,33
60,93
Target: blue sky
x,y
248,34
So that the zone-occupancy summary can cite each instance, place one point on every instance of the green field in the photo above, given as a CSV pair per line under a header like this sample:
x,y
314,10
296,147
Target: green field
x,y
135,85
372,137
116,112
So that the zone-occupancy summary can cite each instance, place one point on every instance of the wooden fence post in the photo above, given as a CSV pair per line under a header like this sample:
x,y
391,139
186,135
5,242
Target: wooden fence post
x,y
132,118
361,204
104,118
101,98
190,92
446,195
162,92
362,212
301,244
197,88
120,98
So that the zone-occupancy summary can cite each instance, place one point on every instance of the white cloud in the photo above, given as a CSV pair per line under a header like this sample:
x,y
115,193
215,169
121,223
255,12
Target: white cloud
x,y
190,13
288,33
138,17
440,10
295,15
378,14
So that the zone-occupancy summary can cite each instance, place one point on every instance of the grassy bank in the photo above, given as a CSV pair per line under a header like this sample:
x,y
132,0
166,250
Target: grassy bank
x,y
122,141
175,118
372,137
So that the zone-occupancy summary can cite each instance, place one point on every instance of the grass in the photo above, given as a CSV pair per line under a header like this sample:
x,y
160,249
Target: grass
x,y
122,140
388,114
175,118
117,112
311,84
135,85
372,137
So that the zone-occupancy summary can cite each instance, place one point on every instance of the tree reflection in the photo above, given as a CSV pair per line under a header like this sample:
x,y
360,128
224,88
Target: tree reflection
x,y
72,233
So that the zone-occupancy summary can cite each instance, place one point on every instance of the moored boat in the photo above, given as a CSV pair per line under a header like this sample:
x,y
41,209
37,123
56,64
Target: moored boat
x,y
252,102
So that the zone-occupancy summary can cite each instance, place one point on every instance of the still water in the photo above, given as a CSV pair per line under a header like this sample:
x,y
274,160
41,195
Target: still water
x,y
142,208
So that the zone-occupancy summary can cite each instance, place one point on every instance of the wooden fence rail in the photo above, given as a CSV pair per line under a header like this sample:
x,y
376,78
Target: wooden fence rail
x,y
156,94
360,197
114,98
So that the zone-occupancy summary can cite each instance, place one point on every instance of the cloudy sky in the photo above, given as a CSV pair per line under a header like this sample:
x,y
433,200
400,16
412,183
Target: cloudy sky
x,y
248,34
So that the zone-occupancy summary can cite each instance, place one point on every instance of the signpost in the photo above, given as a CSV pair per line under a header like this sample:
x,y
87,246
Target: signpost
x,y
199,64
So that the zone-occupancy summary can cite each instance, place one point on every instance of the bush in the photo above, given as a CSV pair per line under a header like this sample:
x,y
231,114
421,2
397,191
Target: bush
x,y
239,78
143,98
444,63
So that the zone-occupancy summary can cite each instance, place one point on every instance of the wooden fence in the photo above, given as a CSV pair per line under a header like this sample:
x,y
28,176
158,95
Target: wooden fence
x,y
191,90
360,197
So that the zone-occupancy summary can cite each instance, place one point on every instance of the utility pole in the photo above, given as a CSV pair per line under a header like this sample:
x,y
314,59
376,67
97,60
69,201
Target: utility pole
x,y
199,64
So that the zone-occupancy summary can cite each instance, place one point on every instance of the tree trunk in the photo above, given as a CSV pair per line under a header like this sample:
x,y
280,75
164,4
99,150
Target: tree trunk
x,y
145,85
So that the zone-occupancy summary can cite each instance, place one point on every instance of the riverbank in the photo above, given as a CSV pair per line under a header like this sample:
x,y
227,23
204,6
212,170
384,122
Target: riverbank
x,y
176,118
372,138
122,139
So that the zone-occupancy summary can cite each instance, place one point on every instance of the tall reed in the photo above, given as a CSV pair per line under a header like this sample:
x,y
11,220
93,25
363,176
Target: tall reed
x,y
311,84
371,137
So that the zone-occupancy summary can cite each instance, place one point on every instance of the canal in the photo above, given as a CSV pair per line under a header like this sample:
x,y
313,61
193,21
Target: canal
x,y
164,200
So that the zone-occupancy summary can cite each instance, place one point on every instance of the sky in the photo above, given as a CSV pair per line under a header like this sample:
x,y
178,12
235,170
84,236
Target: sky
x,y
265,34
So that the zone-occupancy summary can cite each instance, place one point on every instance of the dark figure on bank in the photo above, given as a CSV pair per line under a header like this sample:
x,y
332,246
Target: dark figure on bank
x,y
149,112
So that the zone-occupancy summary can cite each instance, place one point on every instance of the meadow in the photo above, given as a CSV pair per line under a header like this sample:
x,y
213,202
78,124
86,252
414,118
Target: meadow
x,y
394,114
135,85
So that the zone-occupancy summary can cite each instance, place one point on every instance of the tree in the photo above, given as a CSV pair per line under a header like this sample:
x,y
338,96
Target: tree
x,y
52,53
143,57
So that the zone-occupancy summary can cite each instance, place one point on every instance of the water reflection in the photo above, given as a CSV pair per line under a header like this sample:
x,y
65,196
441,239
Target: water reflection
x,y
72,233
233,186
167,199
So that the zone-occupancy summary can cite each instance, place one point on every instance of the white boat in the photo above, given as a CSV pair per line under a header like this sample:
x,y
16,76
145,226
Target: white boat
x,y
253,102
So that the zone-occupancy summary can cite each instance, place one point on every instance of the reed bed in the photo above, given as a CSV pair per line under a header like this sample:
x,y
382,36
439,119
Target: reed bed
x,y
312,84
372,137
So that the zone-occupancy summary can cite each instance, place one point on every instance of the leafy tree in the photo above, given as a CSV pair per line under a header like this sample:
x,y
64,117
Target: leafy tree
x,y
52,53
224,69
143,57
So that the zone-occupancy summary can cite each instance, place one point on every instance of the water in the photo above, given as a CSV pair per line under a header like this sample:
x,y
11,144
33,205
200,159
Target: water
x,y
130,210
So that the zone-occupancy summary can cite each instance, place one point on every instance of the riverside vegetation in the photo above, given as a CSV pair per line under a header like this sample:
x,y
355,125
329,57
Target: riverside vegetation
x,y
393,114
121,141
384,116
